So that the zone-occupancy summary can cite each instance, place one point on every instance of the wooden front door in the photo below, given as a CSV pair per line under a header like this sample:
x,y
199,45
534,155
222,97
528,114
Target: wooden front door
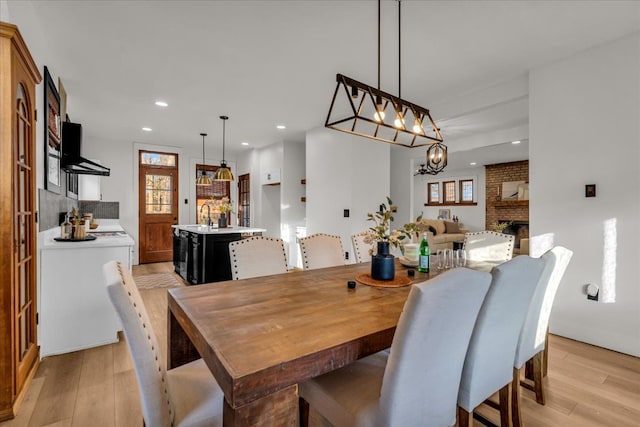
x,y
158,205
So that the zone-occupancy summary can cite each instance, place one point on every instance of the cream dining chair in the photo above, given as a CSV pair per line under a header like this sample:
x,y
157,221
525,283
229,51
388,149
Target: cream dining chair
x,y
488,367
361,248
184,396
257,256
321,250
532,340
417,382
488,247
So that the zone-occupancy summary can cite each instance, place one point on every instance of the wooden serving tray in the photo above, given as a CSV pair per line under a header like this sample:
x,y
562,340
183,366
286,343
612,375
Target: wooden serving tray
x,y
397,282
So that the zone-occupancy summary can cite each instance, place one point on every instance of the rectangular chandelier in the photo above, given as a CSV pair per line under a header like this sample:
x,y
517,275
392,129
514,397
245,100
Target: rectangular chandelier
x,y
371,113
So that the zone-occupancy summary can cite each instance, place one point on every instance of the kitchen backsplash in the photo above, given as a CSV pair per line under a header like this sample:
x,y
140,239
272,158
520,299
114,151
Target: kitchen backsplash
x,y
50,205
101,210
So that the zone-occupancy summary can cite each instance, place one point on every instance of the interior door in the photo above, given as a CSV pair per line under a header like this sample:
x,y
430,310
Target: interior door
x,y
26,347
158,205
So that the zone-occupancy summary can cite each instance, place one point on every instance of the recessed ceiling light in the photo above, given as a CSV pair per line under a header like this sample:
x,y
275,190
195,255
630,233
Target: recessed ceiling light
x,y
244,143
147,129
473,163
515,142
161,104
281,127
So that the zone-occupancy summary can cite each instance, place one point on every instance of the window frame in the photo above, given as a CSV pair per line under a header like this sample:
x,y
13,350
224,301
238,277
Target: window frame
x,y
445,199
461,182
430,200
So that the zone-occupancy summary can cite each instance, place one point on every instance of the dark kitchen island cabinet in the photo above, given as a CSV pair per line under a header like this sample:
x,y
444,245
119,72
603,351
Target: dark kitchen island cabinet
x,y
201,253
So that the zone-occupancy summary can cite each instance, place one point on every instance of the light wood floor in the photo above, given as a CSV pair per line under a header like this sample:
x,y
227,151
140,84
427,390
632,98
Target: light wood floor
x,y
587,385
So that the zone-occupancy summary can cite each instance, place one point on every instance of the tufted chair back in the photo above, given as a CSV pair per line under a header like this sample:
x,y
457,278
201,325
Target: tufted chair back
x,y
488,246
151,373
257,256
321,250
361,248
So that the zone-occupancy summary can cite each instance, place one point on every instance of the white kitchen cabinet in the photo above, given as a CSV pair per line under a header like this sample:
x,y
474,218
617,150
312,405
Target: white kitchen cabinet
x,y
271,177
89,187
75,310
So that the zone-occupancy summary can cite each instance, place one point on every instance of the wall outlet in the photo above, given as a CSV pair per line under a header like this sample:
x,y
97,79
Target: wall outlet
x,y
346,255
186,201
346,213
592,291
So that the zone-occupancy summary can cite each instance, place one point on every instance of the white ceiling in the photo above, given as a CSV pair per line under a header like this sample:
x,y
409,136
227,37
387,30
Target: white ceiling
x,y
274,62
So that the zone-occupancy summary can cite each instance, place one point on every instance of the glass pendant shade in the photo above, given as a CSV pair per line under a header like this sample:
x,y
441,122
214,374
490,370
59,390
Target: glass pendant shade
x,y
203,179
223,173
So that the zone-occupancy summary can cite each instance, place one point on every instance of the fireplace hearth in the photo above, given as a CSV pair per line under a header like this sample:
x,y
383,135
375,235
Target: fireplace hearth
x,y
519,229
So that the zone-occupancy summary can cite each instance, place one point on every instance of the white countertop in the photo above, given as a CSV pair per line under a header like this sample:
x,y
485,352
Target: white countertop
x,y
203,229
109,233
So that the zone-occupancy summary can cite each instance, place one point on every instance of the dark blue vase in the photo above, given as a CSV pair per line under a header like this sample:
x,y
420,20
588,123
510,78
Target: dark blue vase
x,y
383,266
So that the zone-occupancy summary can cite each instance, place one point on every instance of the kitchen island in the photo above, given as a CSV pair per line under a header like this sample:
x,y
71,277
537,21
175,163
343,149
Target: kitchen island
x,y
201,253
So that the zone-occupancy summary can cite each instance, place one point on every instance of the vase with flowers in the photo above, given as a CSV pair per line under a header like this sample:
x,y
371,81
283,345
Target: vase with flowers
x,y
382,262
224,207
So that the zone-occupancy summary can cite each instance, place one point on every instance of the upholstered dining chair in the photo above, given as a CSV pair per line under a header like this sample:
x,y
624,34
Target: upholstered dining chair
x,y
488,367
321,250
488,246
361,248
257,256
184,396
417,382
532,341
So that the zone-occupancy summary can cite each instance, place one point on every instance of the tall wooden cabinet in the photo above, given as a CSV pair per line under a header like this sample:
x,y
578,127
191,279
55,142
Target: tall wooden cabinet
x,y
18,341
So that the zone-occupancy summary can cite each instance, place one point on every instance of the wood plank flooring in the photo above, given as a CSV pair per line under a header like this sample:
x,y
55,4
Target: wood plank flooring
x,y
586,386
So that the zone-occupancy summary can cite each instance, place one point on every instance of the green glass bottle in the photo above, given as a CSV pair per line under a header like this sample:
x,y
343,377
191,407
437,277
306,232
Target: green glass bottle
x,y
423,259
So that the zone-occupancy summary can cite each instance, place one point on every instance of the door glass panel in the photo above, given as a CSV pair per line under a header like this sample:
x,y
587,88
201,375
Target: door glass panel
x,y
22,182
22,122
158,159
22,280
159,194
22,238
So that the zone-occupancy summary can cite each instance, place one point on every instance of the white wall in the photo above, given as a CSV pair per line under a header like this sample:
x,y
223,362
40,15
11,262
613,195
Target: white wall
x,y
472,217
293,210
344,172
585,129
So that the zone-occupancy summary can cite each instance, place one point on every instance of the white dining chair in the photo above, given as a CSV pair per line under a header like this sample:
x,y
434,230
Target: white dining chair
x,y
488,247
321,250
488,367
533,336
417,382
361,249
257,256
184,396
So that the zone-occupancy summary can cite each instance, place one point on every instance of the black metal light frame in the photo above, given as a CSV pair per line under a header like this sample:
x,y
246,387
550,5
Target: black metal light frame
x,y
400,106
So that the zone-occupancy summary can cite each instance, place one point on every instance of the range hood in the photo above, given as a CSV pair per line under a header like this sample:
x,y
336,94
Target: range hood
x,y
72,161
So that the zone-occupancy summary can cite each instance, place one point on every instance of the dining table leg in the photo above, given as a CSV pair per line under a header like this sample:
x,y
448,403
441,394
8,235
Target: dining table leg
x,y
180,349
276,409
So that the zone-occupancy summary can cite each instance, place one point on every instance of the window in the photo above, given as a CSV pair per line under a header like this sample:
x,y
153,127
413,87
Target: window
x,y
466,191
433,193
449,191
244,200
217,190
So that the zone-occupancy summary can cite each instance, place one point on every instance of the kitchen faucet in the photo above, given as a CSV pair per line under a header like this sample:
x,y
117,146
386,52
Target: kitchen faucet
x,y
209,222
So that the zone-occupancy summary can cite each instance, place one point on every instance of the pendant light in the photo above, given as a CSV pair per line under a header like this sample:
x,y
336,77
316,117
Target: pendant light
x,y
369,112
223,173
203,179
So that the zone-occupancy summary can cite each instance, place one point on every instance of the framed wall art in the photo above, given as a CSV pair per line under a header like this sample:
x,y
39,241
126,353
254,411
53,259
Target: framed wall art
x,y
52,135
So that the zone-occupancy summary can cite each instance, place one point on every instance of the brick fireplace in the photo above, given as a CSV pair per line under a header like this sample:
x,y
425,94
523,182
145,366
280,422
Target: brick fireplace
x,y
498,210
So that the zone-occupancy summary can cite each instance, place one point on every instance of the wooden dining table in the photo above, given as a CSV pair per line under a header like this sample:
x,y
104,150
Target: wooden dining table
x,y
260,337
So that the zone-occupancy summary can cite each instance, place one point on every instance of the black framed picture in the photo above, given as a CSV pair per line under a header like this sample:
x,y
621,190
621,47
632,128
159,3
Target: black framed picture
x,y
52,135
